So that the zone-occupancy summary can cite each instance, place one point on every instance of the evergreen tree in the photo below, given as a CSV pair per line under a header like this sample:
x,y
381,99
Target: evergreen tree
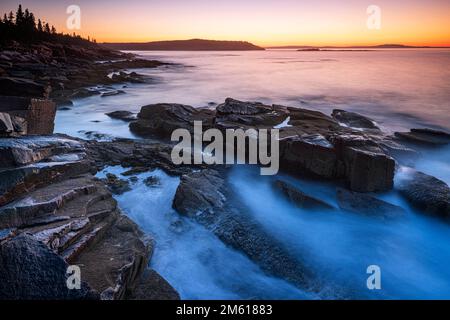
x,y
53,30
47,28
19,16
11,17
39,26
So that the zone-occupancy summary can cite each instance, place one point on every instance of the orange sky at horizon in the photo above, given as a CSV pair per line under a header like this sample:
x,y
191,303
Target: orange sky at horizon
x,y
263,22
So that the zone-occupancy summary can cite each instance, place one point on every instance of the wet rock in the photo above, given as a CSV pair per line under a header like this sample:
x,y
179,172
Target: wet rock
x,y
354,120
26,150
425,192
15,182
299,198
139,156
30,270
308,154
114,265
232,106
152,181
365,166
239,114
6,126
304,121
122,115
364,204
164,118
116,185
425,137
200,192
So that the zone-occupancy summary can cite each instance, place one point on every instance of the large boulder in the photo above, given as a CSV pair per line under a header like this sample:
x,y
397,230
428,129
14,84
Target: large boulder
x,y
30,270
234,114
163,118
365,204
425,192
308,154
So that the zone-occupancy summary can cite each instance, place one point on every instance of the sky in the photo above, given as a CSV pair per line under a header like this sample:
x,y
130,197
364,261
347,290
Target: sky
x,y
262,22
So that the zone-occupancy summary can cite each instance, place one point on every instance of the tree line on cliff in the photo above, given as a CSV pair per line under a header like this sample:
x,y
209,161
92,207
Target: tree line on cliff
x,y
23,27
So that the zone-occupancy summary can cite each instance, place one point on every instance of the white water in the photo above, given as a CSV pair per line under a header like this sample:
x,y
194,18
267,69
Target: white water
x,y
399,89
190,257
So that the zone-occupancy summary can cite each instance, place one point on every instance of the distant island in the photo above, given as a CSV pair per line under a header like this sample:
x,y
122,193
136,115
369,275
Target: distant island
x,y
186,45
325,48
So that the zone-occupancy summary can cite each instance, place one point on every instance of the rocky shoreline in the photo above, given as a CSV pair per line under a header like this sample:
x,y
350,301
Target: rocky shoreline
x,y
54,212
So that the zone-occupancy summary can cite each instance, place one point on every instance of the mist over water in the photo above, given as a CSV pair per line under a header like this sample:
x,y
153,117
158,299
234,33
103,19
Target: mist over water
x,y
399,89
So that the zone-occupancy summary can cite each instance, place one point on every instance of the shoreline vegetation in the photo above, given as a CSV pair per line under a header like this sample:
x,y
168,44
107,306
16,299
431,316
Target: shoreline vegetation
x,y
54,212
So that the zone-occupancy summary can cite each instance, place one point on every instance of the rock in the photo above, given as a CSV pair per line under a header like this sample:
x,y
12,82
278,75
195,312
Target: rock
x,y
308,154
299,198
29,149
114,265
122,115
6,126
10,86
425,192
200,192
134,171
164,118
30,270
20,125
354,120
152,286
239,114
152,181
364,204
232,106
363,164
112,93
426,137
116,185
15,182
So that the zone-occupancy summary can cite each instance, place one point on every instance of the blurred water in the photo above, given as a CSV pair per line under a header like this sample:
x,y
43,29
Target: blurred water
x,y
398,88
190,257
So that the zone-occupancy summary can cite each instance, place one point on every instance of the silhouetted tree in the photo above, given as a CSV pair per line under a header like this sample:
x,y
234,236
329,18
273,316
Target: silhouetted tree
x,y
39,26
11,17
22,27
19,16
